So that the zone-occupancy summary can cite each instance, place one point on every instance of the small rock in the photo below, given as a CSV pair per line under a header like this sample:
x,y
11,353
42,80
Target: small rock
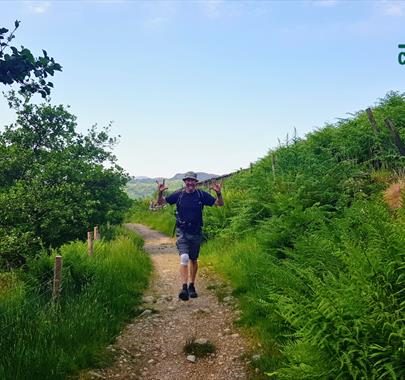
x,y
146,312
171,308
256,357
235,335
227,331
202,311
96,375
191,358
201,341
151,361
228,299
149,299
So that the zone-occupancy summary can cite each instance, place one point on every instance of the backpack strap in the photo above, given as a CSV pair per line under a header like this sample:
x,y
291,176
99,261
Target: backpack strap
x,y
200,198
179,198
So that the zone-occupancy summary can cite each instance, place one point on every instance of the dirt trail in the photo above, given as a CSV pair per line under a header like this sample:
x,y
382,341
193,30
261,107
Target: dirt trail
x,y
151,347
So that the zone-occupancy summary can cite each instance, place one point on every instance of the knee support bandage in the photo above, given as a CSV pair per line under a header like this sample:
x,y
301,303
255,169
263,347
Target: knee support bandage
x,y
184,259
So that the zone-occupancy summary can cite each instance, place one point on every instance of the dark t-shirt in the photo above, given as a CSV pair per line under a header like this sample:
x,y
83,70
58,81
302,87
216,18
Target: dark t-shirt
x,y
189,208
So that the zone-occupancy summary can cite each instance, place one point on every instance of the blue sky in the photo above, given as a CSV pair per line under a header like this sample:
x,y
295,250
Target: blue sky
x,y
211,85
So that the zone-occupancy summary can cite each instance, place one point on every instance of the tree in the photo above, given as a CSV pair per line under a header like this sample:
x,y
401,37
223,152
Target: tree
x,y
55,183
22,68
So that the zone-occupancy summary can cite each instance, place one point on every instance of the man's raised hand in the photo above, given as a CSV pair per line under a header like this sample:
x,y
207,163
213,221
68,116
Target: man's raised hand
x,y
216,187
161,186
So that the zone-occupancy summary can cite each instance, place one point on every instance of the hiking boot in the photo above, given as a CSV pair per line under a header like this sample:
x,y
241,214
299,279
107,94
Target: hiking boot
x,y
191,291
183,295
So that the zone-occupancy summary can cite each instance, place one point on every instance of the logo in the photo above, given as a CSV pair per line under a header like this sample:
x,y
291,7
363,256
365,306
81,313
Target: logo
x,y
401,55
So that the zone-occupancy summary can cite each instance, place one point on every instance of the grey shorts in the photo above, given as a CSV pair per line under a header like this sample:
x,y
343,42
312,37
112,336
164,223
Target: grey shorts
x,y
188,244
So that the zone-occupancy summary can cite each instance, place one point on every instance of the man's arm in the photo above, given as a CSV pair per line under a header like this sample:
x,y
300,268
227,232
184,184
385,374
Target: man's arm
x,y
217,188
161,188
220,200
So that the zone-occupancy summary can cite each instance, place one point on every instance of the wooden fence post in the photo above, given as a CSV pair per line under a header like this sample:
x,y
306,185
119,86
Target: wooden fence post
x,y
395,136
372,121
96,233
57,277
90,243
376,163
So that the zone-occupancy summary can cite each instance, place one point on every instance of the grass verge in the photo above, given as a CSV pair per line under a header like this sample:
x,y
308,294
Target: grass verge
x,y
45,340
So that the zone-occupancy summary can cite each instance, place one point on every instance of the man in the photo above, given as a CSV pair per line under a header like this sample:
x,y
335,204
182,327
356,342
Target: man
x,y
189,205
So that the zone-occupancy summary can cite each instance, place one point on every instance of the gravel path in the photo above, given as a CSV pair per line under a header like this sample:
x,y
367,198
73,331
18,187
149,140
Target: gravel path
x,y
151,346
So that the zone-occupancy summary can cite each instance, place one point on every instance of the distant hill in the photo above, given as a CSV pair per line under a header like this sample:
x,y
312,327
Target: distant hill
x,y
145,187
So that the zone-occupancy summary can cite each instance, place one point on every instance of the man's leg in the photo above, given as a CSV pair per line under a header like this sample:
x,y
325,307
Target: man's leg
x,y
182,246
184,260
194,253
184,273
193,270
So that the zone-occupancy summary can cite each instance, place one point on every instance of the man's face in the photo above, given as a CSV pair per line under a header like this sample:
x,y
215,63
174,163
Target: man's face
x,y
190,184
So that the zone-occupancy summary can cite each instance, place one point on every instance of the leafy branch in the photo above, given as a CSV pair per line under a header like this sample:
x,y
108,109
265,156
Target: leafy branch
x,y
22,68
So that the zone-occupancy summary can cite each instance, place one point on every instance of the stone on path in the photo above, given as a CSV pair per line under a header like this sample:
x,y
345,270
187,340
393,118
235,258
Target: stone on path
x,y
149,299
95,375
146,312
201,341
191,358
